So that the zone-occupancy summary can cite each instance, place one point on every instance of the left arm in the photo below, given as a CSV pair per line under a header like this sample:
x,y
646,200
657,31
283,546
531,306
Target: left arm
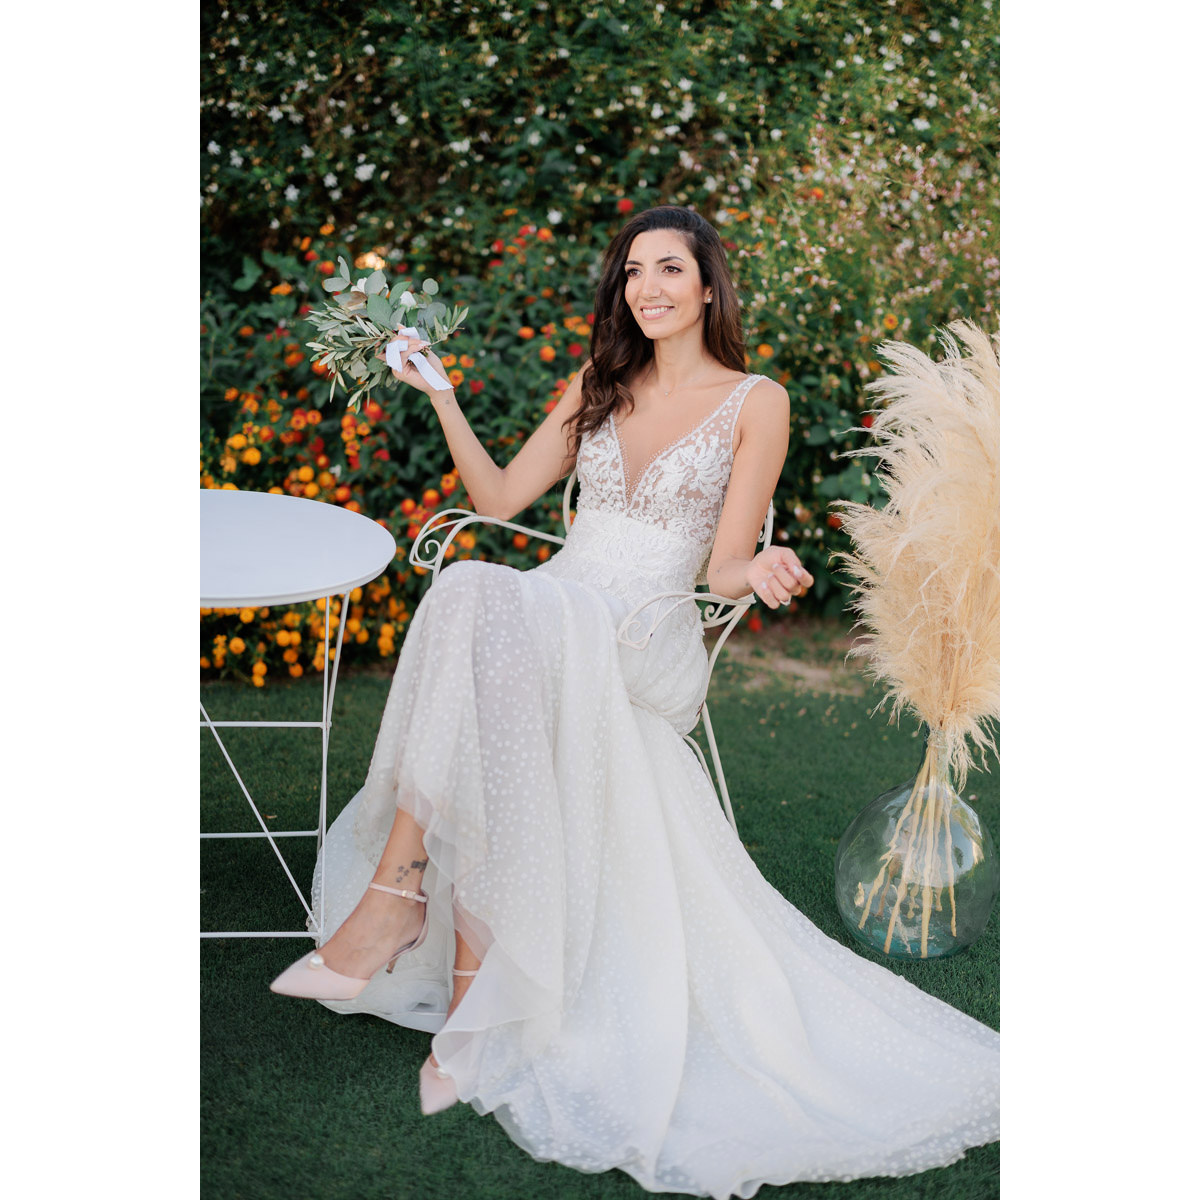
x,y
774,575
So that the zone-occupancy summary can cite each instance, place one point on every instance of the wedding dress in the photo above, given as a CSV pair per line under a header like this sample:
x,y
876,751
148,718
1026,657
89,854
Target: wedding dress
x,y
647,1000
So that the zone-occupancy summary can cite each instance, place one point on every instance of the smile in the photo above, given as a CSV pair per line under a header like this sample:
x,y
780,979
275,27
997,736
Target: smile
x,y
651,314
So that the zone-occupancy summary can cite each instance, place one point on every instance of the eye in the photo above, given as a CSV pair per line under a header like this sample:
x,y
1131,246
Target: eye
x,y
630,272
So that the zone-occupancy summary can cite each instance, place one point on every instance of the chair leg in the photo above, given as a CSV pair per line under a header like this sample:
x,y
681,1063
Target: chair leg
x,y
716,757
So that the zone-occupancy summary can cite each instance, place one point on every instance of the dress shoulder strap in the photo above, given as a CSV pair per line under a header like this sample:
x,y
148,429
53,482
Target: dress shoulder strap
x,y
739,397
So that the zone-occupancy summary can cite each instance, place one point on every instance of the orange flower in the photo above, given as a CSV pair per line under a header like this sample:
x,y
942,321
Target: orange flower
x,y
449,484
520,540
251,456
231,393
313,416
763,350
295,670
890,321
525,332
304,474
456,377
282,289
449,360
294,359
326,229
236,645
546,353
259,668
545,235
304,245
543,552
430,497
465,360
246,331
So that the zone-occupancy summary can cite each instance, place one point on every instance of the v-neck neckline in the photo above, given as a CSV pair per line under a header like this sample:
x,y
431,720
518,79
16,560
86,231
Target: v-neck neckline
x,y
637,483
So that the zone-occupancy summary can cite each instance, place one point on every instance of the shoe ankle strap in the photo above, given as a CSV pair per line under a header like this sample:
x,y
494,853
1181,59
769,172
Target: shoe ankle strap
x,y
382,887
458,972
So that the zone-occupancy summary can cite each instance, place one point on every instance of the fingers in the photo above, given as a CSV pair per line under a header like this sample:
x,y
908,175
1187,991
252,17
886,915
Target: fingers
x,y
785,577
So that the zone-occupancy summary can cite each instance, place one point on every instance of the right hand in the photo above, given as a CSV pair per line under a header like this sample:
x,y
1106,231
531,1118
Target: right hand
x,y
410,374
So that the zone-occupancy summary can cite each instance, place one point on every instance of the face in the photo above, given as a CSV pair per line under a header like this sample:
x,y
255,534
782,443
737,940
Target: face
x,y
663,287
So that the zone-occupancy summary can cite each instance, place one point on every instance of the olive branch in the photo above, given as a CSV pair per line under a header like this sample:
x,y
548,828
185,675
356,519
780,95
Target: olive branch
x,y
362,318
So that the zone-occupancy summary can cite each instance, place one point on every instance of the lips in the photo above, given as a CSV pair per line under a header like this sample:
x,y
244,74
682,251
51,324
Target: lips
x,y
659,310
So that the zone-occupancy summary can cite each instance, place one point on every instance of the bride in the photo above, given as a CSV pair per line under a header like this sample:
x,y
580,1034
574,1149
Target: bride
x,y
537,857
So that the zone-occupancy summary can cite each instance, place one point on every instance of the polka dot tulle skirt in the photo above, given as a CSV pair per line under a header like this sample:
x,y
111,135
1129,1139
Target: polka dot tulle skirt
x,y
647,1000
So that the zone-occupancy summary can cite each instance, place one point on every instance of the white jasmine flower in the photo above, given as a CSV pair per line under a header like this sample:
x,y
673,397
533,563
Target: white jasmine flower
x,y
235,158
534,137
554,216
275,114
291,193
920,123
213,148
364,171
368,49
307,152
330,180
260,67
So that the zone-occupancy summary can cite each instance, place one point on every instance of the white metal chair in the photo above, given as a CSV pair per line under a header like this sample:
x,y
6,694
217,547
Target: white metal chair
x,y
439,531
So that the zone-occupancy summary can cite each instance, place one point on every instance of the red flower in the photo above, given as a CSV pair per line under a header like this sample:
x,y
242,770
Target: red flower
x,y
311,256
625,205
868,421
325,268
574,349
476,386
495,262
754,623
383,455
498,246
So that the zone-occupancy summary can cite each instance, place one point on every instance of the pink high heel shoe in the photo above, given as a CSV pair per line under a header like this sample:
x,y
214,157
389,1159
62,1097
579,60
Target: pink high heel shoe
x,y
310,979
437,1086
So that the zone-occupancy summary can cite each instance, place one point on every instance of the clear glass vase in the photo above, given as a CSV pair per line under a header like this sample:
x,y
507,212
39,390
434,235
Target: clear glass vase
x,y
916,874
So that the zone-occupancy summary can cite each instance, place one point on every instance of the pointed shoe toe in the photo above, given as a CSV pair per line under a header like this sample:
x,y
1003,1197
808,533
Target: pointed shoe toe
x,y
310,979
437,1088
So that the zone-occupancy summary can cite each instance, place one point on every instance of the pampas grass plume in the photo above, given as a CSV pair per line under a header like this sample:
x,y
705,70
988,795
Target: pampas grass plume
x,y
926,566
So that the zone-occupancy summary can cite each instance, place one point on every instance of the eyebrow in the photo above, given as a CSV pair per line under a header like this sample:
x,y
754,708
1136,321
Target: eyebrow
x,y
633,262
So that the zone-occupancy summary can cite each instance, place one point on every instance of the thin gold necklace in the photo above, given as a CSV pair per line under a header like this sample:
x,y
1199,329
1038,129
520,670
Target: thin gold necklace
x,y
668,391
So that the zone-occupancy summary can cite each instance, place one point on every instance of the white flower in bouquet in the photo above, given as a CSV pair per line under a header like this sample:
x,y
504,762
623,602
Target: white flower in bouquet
x,y
362,318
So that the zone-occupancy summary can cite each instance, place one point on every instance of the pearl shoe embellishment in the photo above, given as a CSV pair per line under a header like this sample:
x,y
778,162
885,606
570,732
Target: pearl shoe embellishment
x,y
316,962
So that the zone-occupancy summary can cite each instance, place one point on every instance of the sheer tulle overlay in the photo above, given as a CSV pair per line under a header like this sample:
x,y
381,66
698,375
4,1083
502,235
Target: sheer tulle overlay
x,y
647,1000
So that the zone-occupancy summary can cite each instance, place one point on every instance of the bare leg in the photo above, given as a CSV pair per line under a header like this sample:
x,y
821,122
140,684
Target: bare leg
x,y
381,922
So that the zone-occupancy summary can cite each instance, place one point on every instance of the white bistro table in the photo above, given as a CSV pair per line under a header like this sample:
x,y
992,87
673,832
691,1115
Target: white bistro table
x,y
259,549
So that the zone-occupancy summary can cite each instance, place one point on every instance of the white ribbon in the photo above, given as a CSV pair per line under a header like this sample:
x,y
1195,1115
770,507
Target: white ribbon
x,y
400,345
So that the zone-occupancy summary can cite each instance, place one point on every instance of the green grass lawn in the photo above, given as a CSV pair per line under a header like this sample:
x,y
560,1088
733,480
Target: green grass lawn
x,y
301,1104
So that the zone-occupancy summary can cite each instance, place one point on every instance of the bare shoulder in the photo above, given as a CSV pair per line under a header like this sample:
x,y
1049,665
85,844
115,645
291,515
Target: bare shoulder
x,y
765,411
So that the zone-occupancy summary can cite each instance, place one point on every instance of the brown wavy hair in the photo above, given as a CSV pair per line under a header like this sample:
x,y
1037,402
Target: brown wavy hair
x,y
619,348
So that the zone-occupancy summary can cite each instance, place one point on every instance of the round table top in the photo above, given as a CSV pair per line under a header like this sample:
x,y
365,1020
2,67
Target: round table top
x,y
259,548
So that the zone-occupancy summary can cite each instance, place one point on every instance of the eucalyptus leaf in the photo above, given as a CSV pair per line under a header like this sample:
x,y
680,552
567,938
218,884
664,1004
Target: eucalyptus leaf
x,y
435,311
378,309
430,287
333,284
375,284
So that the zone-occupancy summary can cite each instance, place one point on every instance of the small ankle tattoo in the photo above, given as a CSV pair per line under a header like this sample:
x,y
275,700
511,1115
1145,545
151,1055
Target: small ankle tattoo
x,y
418,864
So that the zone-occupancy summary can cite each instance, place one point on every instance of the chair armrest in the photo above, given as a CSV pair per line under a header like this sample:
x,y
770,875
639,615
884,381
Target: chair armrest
x,y
712,617
443,527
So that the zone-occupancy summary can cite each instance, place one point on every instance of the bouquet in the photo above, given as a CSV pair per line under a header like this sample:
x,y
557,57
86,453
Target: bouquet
x,y
363,318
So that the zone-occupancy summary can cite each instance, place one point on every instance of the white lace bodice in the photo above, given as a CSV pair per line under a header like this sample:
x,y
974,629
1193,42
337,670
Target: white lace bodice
x,y
652,533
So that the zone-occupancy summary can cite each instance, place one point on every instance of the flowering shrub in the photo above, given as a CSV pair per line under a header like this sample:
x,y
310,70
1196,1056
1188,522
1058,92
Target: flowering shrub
x,y
846,153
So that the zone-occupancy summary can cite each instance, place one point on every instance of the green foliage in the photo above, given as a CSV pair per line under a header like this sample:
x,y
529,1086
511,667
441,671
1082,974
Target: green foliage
x,y
847,153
